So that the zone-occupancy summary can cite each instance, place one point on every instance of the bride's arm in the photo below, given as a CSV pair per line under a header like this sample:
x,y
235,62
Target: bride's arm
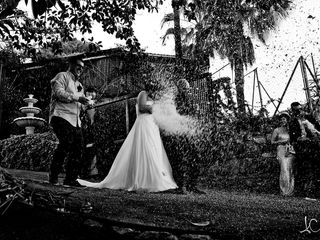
x,y
142,103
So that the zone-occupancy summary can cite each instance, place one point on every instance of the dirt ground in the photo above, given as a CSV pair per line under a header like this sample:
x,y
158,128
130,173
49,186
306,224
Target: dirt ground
x,y
225,214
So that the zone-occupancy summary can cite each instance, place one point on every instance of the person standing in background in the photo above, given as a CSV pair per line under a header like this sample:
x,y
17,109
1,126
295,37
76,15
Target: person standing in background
x,y
89,168
285,154
305,139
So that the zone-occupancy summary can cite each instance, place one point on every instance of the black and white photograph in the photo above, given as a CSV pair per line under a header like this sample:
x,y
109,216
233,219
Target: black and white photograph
x,y
159,119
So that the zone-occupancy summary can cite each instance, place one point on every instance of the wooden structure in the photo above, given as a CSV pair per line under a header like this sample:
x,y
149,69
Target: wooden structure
x,y
106,70
309,85
208,94
200,94
259,86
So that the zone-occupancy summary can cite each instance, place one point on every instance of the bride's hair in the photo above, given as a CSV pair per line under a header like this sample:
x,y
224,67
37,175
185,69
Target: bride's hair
x,y
142,97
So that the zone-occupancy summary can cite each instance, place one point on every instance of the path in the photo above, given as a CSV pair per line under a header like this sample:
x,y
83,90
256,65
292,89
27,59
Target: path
x,y
240,215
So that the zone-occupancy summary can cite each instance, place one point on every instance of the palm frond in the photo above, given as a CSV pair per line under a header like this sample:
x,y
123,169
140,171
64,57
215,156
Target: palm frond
x,y
189,36
170,31
188,50
8,22
279,11
247,53
167,18
4,28
282,12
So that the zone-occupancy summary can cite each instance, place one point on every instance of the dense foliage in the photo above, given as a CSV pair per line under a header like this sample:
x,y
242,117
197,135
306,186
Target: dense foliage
x,y
109,131
217,149
219,156
219,28
56,21
32,152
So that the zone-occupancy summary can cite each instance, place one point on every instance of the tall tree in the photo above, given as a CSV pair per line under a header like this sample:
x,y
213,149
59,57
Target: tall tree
x,y
192,13
218,27
176,4
224,33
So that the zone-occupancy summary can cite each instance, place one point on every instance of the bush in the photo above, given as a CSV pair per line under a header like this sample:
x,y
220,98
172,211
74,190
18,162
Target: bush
x,y
35,152
219,156
219,151
192,156
109,127
30,152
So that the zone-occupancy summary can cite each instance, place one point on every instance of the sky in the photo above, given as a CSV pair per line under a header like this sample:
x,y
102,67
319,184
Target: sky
x,y
295,36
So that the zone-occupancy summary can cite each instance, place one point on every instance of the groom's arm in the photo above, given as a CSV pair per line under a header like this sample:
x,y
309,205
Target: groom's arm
x,y
145,108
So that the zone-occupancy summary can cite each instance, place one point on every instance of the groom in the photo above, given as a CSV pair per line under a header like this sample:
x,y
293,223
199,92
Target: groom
x,y
191,168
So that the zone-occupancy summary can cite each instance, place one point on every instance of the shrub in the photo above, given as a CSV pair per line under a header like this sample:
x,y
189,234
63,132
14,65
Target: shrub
x,y
219,156
31,152
35,152
109,126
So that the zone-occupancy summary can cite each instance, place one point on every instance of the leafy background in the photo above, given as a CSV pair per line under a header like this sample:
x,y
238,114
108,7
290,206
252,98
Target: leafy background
x,y
222,155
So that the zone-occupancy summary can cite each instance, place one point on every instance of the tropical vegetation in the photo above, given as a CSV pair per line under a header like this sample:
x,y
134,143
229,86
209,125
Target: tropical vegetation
x,y
226,28
219,29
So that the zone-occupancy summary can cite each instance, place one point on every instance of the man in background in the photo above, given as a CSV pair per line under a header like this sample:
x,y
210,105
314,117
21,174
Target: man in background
x,y
304,136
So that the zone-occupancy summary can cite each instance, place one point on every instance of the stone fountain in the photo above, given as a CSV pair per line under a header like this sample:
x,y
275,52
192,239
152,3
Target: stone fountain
x,y
30,121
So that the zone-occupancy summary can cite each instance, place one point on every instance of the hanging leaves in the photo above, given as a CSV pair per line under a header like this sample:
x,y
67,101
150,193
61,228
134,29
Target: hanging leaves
x,y
38,7
55,20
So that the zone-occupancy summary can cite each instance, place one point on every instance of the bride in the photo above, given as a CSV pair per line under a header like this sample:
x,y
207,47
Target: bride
x,y
141,163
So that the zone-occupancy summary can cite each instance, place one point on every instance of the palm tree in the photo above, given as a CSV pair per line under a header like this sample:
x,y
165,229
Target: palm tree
x,y
176,4
186,38
223,32
219,28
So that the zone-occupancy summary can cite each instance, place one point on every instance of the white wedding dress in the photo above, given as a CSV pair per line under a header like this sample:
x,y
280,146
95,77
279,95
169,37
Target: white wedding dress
x,y
142,162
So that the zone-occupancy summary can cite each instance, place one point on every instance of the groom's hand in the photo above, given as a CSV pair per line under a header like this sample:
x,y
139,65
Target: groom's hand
x,y
83,100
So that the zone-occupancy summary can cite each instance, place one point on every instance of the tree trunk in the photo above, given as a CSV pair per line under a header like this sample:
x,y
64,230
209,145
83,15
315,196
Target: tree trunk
x,y
177,29
239,81
238,66
1,96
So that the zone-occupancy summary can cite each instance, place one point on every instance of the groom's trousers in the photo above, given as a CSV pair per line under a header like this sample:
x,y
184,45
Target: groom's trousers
x,y
70,146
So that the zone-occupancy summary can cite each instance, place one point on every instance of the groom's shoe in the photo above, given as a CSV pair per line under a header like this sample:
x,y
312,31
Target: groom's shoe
x,y
195,190
181,190
53,180
198,191
72,184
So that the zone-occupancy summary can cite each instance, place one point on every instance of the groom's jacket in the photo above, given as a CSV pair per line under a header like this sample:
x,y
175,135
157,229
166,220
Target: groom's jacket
x,y
295,130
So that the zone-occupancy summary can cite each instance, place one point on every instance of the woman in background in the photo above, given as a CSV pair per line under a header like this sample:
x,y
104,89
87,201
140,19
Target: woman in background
x,y
285,154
